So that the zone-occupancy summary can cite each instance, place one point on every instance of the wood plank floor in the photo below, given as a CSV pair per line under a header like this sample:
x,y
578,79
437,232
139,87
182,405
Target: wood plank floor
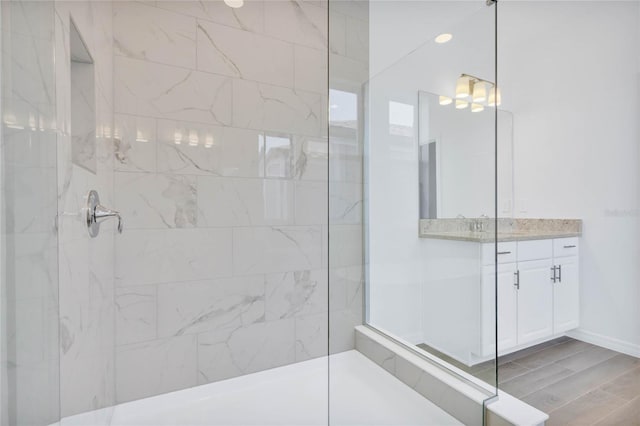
x,y
575,382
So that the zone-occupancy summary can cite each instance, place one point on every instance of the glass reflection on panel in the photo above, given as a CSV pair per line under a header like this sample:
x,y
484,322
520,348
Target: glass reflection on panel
x,y
343,110
276,155
401,117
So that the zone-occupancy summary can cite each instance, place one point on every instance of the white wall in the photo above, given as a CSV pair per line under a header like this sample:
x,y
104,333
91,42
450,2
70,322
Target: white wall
x,y
573,87
398,260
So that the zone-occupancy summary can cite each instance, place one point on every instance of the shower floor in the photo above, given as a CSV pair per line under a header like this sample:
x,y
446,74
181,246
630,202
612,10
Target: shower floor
x,y
360,393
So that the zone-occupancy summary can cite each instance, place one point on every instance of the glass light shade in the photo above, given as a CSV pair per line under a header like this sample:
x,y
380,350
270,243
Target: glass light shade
x,y
461,104
445,100
463,87
479,91
193,138
140,136
234,3
495,97
477,108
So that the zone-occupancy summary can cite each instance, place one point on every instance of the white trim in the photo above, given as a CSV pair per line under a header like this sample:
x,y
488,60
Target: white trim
x,y
606,342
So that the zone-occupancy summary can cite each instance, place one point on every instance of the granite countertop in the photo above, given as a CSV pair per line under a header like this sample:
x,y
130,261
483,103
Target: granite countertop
x,y
508,229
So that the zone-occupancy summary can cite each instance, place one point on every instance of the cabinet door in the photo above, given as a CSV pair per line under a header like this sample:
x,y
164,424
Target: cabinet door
x,y
535,301
566,295
507,308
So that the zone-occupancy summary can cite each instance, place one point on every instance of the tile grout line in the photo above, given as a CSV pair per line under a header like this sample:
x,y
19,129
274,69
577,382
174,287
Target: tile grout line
x,y
544,348
570,375
599,418
570,355
632,402
589,390
637,367
530,370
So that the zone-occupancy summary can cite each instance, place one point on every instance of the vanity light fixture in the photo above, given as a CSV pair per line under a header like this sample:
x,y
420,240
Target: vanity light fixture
x,y
463,86
208,141
140,137
469,86
473,90
443,38
460,104
11,122
193,138
445,100
177,137
495,97
234,3
479,91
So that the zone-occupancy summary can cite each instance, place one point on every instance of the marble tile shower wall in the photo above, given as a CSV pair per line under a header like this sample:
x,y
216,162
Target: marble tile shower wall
x,y
29,294
221,175
86,275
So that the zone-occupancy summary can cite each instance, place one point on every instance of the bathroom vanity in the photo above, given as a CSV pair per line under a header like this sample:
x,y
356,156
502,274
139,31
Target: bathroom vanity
x,y
538,284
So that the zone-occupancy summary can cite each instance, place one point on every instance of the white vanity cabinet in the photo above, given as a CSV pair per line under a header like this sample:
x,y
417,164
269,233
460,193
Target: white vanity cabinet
x,y
537,290
566,288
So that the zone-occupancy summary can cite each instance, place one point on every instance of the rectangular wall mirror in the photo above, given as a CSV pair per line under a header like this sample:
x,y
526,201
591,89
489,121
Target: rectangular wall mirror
x,y
457,156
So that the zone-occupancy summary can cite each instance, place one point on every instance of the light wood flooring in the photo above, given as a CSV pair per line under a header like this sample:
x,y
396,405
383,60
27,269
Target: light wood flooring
x,y
575,382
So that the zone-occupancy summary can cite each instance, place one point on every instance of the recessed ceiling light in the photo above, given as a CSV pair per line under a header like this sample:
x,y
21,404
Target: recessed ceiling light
x,y
234,3
443,38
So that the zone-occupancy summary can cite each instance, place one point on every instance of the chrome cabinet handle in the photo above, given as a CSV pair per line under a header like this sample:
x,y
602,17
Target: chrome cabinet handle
x,y
553,277
559,273
504,252
571,246
97,213
516,276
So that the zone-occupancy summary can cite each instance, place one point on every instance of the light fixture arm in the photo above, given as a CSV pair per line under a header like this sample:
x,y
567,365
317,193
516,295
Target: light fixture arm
x,y
473,79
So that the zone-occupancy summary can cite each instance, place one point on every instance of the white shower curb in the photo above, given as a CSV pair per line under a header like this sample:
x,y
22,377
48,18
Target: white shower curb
x,y
462,397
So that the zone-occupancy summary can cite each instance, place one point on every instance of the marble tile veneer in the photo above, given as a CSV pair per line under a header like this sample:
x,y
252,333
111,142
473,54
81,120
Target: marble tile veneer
x,y
222,268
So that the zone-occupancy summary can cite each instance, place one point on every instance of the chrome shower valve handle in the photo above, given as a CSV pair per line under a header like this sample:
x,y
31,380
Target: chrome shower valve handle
x,y
97,213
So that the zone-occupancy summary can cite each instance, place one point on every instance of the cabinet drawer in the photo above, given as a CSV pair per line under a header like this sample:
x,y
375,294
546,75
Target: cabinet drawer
x,y
535,250
563,247
506,252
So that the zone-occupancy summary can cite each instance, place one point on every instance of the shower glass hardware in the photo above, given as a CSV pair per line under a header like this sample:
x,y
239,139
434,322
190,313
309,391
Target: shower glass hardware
x,y
97,213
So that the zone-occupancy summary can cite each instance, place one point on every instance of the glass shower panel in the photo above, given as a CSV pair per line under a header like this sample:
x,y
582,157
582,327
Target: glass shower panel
x,y
348,68
29,369
430,181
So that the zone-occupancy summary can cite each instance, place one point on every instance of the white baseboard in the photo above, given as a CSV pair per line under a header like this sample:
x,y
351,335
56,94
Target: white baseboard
x,y
606,342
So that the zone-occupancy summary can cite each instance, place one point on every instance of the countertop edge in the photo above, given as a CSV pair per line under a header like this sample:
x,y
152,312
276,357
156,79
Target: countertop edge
x,y
490,238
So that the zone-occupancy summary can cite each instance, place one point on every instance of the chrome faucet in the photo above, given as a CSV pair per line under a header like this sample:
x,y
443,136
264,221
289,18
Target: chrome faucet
x,y
478,224
97,213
